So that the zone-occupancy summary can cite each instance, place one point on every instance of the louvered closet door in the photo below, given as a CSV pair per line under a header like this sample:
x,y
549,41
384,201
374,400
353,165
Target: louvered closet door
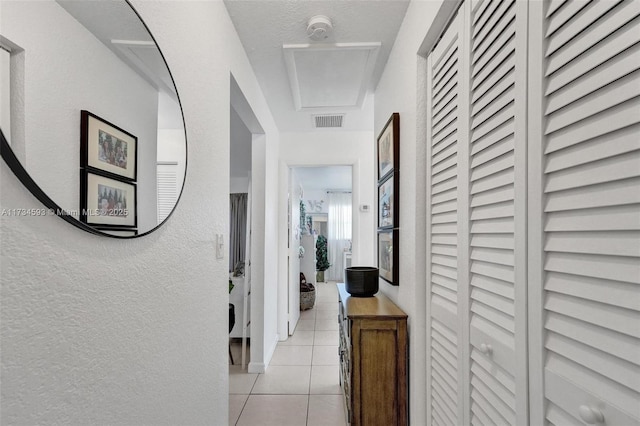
x,y
591,204
497,162
445,401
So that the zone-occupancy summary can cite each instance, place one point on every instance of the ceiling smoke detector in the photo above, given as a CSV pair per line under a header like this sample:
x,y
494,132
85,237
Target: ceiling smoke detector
x,y
319,28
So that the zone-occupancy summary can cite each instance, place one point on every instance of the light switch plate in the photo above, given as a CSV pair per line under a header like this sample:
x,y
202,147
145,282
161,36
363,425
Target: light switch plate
x,y
219,246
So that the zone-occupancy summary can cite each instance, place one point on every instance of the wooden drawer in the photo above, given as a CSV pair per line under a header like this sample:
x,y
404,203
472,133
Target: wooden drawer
x,y
373,360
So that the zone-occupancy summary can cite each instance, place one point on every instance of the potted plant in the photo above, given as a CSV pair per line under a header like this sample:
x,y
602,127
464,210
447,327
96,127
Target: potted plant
x,y
303,218
322,263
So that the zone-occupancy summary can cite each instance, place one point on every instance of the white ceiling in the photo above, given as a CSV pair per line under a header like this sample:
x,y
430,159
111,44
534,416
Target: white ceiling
x,y
264,26
325,178
116,25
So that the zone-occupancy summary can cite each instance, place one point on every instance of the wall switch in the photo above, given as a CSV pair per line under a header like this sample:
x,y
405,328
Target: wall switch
x,y
219,246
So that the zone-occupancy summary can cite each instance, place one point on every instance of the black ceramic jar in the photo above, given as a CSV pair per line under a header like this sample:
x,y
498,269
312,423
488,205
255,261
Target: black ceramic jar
x,y
361,281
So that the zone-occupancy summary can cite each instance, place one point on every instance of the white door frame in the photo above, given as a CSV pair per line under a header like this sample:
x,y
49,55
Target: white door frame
x,y
284,231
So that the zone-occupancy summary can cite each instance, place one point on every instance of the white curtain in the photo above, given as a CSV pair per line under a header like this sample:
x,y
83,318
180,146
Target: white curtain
x,y
339,229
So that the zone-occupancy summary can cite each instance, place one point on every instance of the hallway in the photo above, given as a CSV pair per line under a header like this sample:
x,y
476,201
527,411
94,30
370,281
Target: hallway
x,y
301,385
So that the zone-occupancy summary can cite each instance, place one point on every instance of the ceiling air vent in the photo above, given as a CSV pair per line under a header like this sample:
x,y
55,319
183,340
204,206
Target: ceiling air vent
x,y
329,120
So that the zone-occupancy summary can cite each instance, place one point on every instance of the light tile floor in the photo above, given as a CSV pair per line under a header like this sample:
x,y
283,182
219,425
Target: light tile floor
x,y
301,385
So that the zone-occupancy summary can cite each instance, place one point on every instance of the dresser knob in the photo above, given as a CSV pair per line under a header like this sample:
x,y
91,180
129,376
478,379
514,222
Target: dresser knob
x,y
590,415
486,349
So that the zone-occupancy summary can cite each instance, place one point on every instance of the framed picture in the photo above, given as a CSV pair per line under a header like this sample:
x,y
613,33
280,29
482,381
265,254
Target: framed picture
x,y
118,232
107,148
388,202
388,256
389,147
107,202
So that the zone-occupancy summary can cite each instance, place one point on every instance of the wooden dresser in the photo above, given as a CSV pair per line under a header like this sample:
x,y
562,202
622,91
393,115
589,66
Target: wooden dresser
x,y
373,359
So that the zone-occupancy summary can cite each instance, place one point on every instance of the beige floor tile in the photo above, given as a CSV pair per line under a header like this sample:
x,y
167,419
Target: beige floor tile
x,y
309,314
325,338
236,404
276,410
240,382
324,315
327,296
325,380
284,380
326,410
325,355
326,306
304,325
301,385
299,338
327,324
291,355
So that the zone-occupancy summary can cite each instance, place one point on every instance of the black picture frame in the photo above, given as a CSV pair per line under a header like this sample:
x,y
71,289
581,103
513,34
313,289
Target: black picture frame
x,y
388,256
118,232
389,202
107,149
120,209
388,147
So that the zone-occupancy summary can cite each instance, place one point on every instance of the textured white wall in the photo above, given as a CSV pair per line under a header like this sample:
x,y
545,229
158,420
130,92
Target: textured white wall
x,y
64,74
97,330
401,89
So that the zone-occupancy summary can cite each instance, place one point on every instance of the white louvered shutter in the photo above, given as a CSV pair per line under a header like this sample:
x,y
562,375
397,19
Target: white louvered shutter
x,y
590,177
167,182
444,362
497,175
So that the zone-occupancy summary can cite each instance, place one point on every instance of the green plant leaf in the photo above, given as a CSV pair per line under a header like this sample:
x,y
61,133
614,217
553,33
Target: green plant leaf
x,y
322,263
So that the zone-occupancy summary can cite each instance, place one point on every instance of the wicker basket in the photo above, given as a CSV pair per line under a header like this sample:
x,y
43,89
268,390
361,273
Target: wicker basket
x,y
307,299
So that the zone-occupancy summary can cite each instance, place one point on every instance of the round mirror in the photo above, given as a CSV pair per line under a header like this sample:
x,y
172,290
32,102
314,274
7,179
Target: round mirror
x,y
90,118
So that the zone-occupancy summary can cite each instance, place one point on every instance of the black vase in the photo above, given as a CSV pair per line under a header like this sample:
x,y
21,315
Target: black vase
x,y
361,281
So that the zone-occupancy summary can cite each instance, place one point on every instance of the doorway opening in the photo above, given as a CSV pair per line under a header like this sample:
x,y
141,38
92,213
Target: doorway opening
x,y
320,230
245,134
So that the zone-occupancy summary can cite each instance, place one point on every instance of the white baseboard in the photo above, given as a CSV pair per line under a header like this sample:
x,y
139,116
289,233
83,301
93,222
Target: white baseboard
x,y
261,367
272,349
256,367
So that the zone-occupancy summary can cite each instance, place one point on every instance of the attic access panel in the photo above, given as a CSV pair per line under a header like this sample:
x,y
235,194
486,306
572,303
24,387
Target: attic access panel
x,y
330,75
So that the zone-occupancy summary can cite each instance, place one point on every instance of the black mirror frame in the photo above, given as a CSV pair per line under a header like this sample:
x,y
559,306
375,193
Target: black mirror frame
x,y
21,173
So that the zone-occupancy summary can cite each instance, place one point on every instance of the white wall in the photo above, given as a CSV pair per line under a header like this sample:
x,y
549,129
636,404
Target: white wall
x,y
240,147
339,148
67,69
172,146
401,89
96,330
264,252
316,195
238,185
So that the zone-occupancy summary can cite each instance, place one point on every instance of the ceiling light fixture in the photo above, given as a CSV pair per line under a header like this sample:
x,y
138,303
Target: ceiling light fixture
x,y
319,28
